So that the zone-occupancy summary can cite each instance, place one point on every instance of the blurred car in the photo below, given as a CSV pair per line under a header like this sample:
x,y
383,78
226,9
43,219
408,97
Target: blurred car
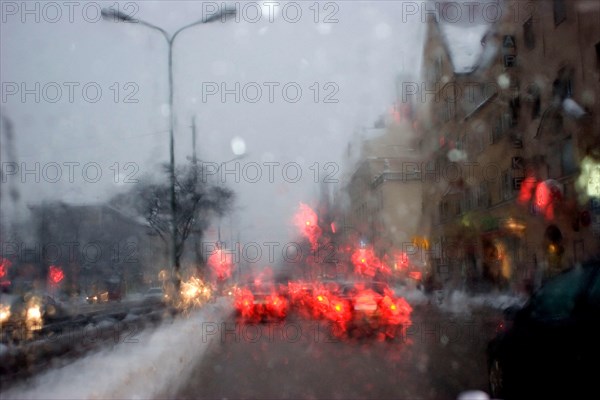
x,y
29,313
374,309
300,296
54,310
104,296
6,301
98,297
155,295
260,303
357,309
550,346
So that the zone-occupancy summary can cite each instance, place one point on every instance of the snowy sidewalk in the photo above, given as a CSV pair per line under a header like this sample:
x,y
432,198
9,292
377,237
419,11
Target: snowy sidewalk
x,y
460,302
153,363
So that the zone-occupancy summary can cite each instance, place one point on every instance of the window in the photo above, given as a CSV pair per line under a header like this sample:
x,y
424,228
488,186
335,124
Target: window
x,y
555,123
568,161
496,133
478,141
443,210
474,95
449,110
467,200
562,86
506,186
461,142
483,197
515,105
528,35
553,161
533,96
503,123
438,69
444,141
475,143
508,120
560,12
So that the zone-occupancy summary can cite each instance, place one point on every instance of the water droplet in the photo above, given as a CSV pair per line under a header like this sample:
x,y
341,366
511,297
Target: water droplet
x,y
503,81
238,146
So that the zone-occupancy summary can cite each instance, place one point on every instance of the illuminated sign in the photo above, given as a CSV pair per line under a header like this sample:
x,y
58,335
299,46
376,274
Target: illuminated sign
x,y
589,179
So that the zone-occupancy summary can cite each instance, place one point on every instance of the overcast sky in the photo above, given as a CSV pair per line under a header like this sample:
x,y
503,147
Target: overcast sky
x,y
353,55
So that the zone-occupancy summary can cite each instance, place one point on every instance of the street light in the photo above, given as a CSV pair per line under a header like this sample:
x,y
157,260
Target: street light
x,y
115,15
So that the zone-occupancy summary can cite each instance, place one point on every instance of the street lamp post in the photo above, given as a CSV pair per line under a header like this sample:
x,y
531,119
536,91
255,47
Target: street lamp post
x,y
115,15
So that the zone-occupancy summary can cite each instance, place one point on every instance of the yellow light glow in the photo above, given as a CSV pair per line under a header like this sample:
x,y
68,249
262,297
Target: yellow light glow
x,y
34,318
588,182
4,313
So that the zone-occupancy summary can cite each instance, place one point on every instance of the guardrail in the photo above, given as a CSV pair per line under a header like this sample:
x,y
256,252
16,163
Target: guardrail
x,y
21,357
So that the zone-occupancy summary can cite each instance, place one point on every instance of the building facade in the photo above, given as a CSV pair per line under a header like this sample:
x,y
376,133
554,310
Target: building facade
x,y
508,142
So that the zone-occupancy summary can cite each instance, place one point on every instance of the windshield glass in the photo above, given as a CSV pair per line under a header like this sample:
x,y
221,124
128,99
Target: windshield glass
x,y
298,199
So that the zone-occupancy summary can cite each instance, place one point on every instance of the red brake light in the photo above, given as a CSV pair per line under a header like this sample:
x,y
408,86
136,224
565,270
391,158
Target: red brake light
x,y
503,326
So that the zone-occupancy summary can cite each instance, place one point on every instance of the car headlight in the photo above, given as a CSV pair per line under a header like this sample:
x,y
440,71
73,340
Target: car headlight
x,y
34,318
4,313
34,312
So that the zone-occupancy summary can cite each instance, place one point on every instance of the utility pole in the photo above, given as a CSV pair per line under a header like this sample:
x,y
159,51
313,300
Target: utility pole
x,y
115,15
195,166
239,258
194,155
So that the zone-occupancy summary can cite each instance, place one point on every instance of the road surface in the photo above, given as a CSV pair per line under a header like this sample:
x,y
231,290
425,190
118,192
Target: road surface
x,y
440,355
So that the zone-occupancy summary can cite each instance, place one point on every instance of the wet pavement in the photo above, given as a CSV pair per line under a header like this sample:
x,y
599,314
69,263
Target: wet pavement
x,y
439,356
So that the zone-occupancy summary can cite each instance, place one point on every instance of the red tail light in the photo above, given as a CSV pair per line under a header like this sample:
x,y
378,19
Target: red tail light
x,y
244,302
395,310
276,305
503,326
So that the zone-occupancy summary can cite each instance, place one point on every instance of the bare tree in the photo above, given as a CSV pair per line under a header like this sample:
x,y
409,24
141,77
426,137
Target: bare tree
x,y
197,200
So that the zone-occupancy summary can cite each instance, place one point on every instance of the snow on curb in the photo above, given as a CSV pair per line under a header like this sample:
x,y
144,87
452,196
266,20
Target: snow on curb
x,y
155,365
460,302
412,295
